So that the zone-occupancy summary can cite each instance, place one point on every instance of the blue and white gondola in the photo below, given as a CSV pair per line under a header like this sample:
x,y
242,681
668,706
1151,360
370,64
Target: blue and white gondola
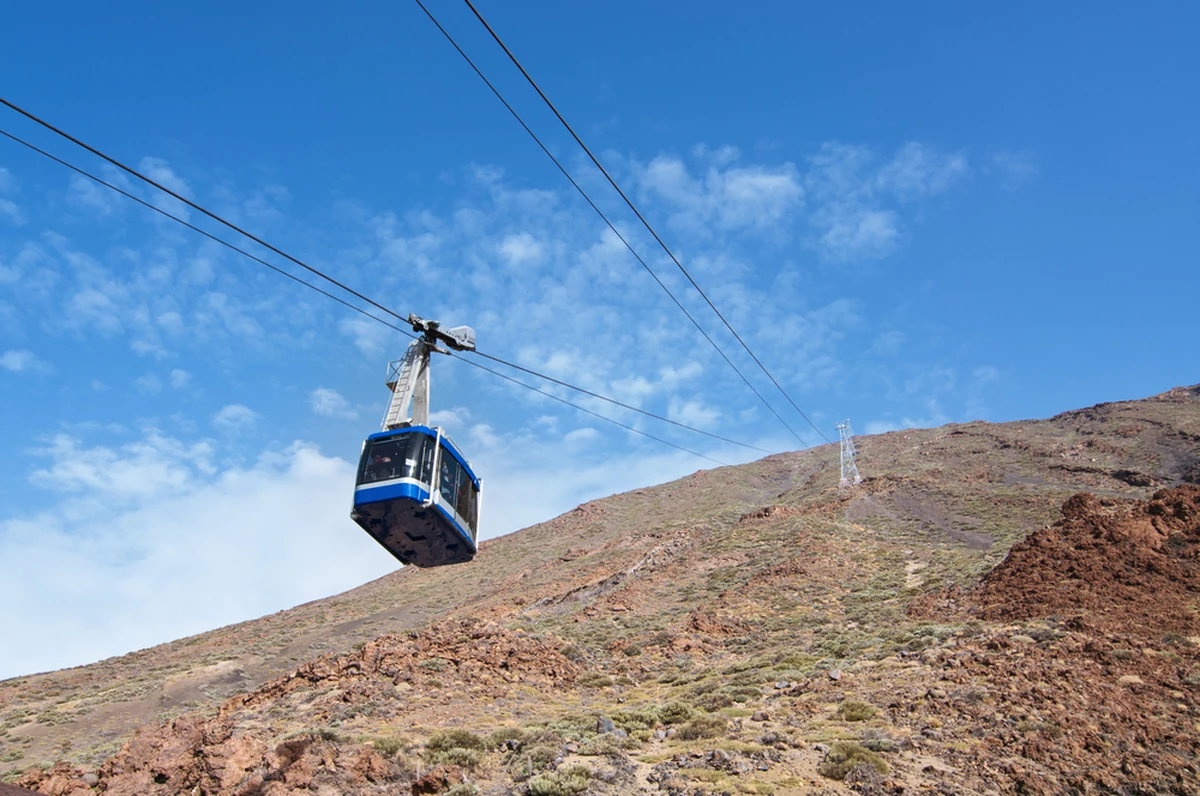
x,y
417,495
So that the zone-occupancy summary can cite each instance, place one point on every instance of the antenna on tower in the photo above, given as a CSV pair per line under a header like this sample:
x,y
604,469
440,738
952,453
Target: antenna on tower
x,y
849,467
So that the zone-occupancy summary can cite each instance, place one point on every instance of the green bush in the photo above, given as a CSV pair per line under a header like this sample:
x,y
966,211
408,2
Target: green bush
x,y
458,756
600,746
745,693
845,755
574,652
456,747
450,739
703,727
389,746
541,756
854,710
571,780
594,680
462,789
713,702
636,719
675,713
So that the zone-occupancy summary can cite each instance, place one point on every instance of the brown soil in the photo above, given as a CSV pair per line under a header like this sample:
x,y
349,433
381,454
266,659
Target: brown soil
x,y
1120,565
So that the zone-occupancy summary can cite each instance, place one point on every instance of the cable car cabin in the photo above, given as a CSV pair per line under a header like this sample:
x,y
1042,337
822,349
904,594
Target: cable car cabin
x,y
417,496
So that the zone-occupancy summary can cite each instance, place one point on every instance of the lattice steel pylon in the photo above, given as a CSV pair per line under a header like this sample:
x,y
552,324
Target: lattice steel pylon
x,y
850,473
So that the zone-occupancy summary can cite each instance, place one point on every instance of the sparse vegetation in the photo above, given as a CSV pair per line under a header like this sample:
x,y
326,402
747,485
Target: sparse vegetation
x,y
703,727
594,680
843,756
389,746
568,781
855,710
455,747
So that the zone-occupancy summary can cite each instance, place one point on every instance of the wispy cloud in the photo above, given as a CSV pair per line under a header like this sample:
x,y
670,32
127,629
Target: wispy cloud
x,y
23,361
856,196
149,384
234,418
918,171
9,209
161,172
720,195
83,194
520,250
331,403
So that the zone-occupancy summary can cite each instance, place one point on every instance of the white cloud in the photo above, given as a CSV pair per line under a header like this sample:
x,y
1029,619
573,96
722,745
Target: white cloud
x,y
986,374
851,192
581,436
180,378
369,337
521,250
723,196
934,416
87,195
331,403
234,417
148,384
9,209
454,420
152,467
12,211
693,413
161,172
96,308
22,361
853,233
149,547
888,342
931,380
918,171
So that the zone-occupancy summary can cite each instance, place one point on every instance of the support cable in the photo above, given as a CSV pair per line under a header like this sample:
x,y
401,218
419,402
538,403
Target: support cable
x,y
637,212
604,217
390,325
195,206
203,232
351,290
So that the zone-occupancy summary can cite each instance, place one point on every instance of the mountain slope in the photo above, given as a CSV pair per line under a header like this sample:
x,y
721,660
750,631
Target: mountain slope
x,y
751,604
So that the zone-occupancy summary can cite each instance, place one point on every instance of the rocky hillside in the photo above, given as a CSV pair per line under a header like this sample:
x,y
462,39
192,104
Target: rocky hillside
x,y
965,621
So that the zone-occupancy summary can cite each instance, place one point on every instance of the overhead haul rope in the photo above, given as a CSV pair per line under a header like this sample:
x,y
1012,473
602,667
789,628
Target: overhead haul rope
x,y
633,207
386,323
610,224
638,213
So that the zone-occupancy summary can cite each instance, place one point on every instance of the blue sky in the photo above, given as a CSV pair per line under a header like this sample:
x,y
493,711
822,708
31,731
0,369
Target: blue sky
x,y
913,217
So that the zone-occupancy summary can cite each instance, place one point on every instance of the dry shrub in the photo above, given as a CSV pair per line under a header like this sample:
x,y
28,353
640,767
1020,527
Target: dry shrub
x,y
854,710
568,781
703,727
456,747
845,755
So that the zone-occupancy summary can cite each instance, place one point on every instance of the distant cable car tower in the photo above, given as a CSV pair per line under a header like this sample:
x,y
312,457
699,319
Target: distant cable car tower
x,y
850,474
